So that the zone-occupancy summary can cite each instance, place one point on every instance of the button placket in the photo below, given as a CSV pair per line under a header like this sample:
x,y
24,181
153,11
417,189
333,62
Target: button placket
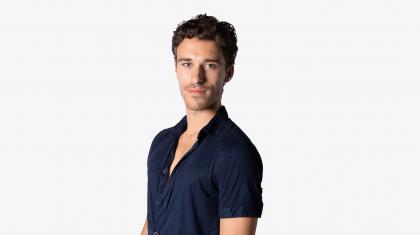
x,y
169,181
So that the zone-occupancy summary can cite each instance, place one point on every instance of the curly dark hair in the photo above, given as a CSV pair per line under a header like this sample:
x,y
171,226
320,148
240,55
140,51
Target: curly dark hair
x,y
208,28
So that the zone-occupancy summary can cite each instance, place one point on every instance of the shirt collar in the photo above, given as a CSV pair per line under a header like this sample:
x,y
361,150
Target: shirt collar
x,y
211,127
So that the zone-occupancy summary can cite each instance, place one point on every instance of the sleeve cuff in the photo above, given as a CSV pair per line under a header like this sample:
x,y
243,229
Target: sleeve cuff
x,y
241,211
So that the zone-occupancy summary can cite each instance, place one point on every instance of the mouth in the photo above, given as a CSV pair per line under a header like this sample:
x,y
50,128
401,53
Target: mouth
x,y
197,91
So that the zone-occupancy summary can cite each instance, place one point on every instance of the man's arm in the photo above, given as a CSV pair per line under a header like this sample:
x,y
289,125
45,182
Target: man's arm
x,y
238,226
144,230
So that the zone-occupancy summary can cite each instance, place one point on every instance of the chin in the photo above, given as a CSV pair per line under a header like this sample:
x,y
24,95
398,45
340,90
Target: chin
x,y
196,106
199,105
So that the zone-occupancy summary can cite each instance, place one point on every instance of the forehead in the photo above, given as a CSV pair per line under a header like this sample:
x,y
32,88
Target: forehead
x,y
195,48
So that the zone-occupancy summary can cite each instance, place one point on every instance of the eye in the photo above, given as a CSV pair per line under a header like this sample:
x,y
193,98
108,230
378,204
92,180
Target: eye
x,y
186,64
212,66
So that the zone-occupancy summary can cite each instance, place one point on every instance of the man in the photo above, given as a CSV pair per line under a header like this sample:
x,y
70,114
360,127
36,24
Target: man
x,y
204,173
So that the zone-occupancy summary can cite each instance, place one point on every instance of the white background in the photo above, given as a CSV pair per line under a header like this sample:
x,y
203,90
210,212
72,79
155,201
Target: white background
x,y
327,90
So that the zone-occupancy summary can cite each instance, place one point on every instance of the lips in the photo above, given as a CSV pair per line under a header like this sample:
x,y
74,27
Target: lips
x,y
196,90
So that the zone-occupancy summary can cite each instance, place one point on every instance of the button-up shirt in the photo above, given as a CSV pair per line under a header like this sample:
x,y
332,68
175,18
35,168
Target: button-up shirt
x,y
218,177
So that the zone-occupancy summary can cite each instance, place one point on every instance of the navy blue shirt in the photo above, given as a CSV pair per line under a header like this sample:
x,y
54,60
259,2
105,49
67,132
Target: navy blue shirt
x,y
219,177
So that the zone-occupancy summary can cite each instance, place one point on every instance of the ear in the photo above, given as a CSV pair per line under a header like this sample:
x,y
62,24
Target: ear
x,y
229,73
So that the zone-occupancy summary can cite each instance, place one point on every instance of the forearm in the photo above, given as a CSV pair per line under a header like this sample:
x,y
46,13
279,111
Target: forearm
x,y
144,230
238,226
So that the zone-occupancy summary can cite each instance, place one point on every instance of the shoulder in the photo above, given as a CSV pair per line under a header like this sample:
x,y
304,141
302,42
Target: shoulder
x,y
237,147
233,131
160,139
242,152
239,164
161,135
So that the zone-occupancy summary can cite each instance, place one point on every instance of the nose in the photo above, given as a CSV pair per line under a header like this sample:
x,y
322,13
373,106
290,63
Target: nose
x,y
198,76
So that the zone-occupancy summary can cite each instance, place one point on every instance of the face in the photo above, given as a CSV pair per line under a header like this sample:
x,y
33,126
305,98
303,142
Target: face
x,y
201,73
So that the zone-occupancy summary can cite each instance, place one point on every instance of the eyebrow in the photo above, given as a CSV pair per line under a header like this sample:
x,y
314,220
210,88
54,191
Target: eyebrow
x,y
206,60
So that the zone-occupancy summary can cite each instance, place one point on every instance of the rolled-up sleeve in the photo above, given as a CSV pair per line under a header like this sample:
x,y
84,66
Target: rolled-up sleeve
x,y
238,179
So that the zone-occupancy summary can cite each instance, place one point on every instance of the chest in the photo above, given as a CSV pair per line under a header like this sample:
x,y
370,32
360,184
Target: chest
x,y
182,148
182,171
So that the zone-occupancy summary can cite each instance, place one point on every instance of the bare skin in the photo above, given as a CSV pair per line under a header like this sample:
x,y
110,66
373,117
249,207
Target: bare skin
x,y
238,226
201,72
145,228
184,144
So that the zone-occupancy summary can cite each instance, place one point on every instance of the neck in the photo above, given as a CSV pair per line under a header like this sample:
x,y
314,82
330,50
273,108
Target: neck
x,y
198,119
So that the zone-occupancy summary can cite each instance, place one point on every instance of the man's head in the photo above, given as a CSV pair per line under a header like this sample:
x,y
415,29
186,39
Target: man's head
x,y
204,50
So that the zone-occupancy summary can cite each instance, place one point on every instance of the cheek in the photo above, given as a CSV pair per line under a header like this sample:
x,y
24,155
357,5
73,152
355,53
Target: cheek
x,y
182,81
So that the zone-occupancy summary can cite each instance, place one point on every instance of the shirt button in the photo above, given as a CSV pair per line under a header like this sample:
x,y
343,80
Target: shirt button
x,y
157,203
155,233
165,171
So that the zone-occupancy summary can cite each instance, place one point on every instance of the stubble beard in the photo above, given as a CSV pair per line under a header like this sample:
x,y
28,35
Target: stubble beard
x,y
199,103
